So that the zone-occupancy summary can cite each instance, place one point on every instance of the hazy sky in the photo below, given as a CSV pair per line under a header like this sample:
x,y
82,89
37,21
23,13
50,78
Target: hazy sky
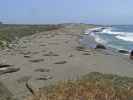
x,y
58,11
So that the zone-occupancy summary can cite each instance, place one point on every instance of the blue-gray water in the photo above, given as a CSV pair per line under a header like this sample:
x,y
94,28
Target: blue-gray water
x,y
118,37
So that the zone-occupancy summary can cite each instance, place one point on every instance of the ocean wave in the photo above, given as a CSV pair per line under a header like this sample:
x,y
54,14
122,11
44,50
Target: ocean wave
x,y
128,38
91,30
109,31
112,37
125,36
97,38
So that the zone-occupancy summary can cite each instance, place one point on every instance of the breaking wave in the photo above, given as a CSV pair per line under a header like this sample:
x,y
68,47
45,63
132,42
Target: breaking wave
x,y
97,38
128,38
125,36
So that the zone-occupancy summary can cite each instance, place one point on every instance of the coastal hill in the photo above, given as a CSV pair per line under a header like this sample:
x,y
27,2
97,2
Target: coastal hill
x,y
48,62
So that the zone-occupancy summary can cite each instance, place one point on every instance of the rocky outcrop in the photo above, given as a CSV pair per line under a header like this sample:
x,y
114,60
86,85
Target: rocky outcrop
x,y
100,46
123,51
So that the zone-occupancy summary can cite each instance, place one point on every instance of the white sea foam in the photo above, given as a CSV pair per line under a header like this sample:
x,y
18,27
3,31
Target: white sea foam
x,y
108,31
128,38
91,30
97,38
125,36
100,38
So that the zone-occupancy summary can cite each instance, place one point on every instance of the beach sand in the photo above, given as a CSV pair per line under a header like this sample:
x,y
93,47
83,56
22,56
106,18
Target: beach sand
x,y
47,57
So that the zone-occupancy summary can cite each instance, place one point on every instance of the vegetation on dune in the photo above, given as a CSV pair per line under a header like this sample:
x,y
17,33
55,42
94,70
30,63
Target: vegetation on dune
x,y
94,86
8,33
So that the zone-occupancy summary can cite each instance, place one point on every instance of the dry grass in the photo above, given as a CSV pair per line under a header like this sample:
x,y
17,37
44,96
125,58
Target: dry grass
x,y
94,86
9,33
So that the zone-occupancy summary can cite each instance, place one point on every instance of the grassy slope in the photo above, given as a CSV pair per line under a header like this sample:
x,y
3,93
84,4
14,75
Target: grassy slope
x,y
94,86
8,33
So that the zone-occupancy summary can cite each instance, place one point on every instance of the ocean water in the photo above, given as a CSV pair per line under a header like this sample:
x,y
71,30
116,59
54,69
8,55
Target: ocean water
x,y
117,37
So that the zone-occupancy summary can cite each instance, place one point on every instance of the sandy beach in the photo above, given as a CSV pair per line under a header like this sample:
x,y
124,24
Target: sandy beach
x,y
47,57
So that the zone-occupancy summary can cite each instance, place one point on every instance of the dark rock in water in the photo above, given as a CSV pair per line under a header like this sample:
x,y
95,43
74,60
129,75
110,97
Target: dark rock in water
x,y
8,70
131,55
96,31
103,28
100,46
5,94
123,51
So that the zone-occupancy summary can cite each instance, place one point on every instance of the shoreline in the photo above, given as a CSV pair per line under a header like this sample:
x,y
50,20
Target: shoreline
x,y
91,33
49,57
